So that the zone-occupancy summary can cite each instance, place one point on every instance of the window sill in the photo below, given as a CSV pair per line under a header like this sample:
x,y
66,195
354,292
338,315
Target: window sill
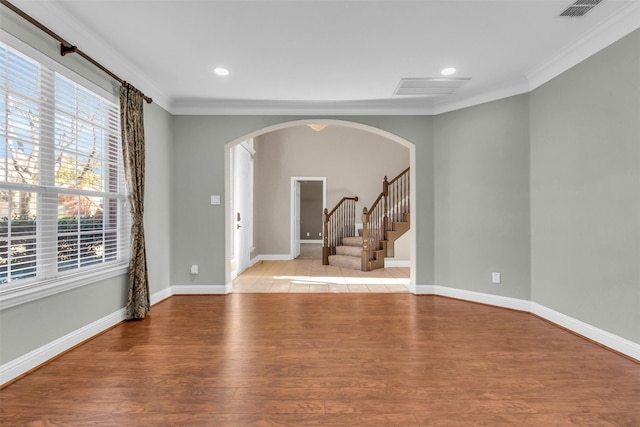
x,y
33,291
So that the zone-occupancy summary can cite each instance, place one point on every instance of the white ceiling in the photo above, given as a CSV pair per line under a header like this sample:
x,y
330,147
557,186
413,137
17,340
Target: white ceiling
x,y
331,57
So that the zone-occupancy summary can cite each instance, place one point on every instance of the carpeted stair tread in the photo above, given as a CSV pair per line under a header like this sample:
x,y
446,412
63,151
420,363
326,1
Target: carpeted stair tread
x,y
352,241
355,251
345,261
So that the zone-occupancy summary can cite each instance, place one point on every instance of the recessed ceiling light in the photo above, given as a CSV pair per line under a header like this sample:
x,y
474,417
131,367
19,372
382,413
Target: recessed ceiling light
x,y
448,71
221,71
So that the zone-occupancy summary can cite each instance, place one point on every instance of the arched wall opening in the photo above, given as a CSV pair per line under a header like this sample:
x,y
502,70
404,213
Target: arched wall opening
x,y
344,123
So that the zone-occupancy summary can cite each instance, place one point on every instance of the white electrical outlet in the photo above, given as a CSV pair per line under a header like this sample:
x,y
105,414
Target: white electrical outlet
x,y
495,277
194,269
307,234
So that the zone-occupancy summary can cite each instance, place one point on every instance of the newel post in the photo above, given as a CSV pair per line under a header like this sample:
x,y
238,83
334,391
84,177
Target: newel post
x,y
366,251
325,238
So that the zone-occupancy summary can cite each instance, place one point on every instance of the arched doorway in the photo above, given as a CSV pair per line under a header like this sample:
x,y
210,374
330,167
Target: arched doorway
x,y
230,216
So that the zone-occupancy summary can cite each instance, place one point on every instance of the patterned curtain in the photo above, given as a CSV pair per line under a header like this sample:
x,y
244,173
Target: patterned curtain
x,y
131,116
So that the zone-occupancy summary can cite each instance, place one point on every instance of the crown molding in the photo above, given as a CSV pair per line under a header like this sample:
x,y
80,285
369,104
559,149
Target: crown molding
x,y
411,106
611,30
95,46
493,94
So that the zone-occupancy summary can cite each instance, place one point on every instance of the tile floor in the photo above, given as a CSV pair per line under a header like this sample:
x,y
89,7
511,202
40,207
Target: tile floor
x,y
309,275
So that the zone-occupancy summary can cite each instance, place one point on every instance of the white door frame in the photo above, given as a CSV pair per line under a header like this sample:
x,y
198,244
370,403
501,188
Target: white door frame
x,y
294,202
239,262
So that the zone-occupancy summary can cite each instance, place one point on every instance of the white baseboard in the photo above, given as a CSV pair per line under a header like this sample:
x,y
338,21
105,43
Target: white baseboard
x,y
598,335
310,241
271,257
390,262
37,357
607,339
160,296
199,289
23,364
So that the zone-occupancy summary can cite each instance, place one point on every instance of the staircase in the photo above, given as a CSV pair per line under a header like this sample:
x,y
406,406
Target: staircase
x,y
382,224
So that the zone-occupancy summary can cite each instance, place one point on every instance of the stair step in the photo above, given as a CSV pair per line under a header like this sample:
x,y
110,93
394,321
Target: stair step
x,y
345,261
349,250
400,227
352,241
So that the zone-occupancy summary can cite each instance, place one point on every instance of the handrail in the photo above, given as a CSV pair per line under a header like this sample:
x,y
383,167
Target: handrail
x,y
400,175
340,203
339,223
374,205
375,221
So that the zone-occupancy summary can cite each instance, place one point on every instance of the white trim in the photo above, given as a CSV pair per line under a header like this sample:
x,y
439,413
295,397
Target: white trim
x,y
598,335
11,297
608,32
613,29
160,295
497,300
607,339
91,42
199,289
23,364
310,241
294,180
391,262
271,257
388,107
422,289
488,95
37,357
245,145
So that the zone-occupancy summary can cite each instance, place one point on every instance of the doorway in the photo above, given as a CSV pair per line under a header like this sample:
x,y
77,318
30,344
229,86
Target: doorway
x,y
280,124
308,200
241,205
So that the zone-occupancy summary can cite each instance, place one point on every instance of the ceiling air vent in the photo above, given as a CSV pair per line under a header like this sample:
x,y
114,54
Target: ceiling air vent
x,y
580,8
429,85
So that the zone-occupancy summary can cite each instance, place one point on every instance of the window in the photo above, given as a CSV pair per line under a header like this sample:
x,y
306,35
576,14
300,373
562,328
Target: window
x,y
63,205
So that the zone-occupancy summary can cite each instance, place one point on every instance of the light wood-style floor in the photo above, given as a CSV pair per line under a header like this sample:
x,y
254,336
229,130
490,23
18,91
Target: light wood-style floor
x,y
309,275
329,360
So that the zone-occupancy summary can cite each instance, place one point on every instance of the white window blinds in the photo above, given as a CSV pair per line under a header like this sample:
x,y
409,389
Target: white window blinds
x,y
63,205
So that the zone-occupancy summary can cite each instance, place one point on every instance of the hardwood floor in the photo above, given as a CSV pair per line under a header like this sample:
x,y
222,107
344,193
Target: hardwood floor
x,y
329,360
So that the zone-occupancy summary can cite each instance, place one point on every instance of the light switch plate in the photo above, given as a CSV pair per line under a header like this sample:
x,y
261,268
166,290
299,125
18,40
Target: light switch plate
x,y
215,199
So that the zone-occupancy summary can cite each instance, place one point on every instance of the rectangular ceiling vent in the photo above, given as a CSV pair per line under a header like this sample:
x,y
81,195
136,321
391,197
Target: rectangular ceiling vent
x,y
433,86
580,8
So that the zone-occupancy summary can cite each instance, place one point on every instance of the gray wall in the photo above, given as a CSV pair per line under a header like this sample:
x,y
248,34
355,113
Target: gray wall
x,y
158,196
199,159
585,190
26,327
354,162
482,197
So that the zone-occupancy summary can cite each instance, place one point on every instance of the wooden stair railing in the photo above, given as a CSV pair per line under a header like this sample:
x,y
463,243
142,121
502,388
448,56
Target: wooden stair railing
x,y
339,223
391,206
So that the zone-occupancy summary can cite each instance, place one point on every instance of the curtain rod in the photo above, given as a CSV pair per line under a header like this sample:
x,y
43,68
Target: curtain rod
x,y
65,46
